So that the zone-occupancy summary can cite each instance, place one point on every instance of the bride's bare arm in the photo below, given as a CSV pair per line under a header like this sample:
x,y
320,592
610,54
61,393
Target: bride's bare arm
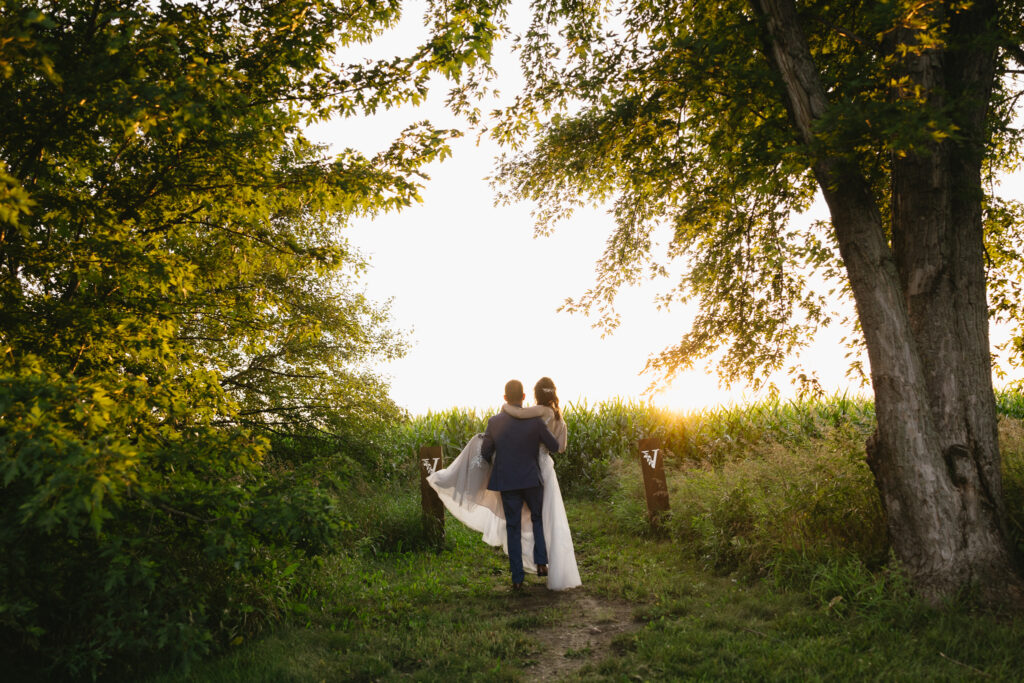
x,y
521,413
560,432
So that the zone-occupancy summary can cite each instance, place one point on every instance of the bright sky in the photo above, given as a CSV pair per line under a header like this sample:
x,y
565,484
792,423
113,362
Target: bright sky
x,y
480,294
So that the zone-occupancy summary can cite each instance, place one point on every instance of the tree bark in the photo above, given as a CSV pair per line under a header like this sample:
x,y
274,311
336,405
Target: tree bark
x,y
938,242
922,308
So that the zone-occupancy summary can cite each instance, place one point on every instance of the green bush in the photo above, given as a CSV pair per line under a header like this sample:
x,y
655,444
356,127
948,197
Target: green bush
x,y
121,553
815,503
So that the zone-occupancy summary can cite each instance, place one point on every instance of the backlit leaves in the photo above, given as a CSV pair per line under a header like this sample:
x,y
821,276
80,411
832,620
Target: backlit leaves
x,y
176,293
671,114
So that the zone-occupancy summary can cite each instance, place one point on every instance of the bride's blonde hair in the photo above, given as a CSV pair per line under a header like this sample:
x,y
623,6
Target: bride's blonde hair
x,y
544,393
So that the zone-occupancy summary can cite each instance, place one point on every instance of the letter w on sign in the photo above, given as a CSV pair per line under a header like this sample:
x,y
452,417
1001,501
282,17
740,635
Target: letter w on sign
x,y
431,459
651,457
655,488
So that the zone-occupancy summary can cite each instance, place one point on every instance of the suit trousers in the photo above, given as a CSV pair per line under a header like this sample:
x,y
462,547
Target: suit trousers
x,y
513,501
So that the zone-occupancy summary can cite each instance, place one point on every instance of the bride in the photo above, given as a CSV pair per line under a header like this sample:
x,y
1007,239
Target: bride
x,y
462,486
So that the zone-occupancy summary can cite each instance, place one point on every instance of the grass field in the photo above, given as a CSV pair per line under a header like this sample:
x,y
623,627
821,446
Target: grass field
x,y
773,565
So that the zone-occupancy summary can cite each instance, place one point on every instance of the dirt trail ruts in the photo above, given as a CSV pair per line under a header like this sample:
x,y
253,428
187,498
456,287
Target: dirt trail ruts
x,y
583,633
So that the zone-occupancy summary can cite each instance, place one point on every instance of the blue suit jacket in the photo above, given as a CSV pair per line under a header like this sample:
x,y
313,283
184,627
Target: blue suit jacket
x,y
517,443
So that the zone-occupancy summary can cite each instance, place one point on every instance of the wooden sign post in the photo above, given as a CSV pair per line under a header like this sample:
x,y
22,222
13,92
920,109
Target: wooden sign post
x,y
431,459
651,457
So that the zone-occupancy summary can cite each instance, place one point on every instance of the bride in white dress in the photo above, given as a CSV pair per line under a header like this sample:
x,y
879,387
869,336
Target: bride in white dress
x,y
462,487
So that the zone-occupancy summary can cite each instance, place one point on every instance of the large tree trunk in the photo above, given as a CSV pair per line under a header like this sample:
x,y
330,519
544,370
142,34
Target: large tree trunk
x,y
922,308
938,244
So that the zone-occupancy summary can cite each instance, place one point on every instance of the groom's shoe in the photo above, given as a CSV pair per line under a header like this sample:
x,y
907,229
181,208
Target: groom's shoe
x,y
542,570
517,587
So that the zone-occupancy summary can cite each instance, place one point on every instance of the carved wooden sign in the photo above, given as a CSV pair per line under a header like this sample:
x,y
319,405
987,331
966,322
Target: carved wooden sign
x,y
651,463
431,459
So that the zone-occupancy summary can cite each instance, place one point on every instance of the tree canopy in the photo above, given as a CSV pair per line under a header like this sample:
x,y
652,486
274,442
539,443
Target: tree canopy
x,y
176,293
674,115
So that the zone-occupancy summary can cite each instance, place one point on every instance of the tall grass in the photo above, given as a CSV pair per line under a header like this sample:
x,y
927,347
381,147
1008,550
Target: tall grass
x,y
609,430
783,510
711,437
451,429
1011,445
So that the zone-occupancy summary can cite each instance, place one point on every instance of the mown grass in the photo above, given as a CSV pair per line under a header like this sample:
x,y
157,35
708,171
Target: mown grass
x,y
772,565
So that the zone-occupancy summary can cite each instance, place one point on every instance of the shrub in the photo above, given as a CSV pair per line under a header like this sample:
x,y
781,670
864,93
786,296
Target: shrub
x,y
126,552
780,487
783,504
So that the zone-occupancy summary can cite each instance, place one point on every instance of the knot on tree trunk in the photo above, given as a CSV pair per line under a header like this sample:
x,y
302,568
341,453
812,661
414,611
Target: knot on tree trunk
x,y
959,464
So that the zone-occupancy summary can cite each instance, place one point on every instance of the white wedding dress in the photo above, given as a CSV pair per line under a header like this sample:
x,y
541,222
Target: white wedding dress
x,y
462,487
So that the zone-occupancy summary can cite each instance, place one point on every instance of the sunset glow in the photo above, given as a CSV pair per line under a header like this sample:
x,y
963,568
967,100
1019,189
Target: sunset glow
x,y
480,294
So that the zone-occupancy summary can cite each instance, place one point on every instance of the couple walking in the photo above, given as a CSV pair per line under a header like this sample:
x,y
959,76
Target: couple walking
x,y
503,484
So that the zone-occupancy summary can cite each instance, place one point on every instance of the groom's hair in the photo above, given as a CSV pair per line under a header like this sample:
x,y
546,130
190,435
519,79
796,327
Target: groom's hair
x,y
514,390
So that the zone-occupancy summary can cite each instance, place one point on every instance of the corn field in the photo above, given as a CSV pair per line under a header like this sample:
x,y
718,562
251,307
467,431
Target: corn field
x,y
603,432
609,430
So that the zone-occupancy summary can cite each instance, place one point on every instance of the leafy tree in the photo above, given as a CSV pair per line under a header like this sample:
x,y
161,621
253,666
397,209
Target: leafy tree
x,y
174,288
715,122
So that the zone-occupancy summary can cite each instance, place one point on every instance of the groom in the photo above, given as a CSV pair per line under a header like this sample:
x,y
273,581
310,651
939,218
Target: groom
x,y
516,475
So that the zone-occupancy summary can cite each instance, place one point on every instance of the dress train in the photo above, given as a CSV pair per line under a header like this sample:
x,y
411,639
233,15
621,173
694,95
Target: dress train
x,y
462,487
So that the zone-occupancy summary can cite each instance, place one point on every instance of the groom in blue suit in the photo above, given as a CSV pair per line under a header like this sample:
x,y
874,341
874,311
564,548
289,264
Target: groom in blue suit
x,y
516,475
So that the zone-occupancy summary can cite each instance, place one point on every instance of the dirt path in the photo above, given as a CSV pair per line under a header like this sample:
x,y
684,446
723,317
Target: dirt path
x,y
583,633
